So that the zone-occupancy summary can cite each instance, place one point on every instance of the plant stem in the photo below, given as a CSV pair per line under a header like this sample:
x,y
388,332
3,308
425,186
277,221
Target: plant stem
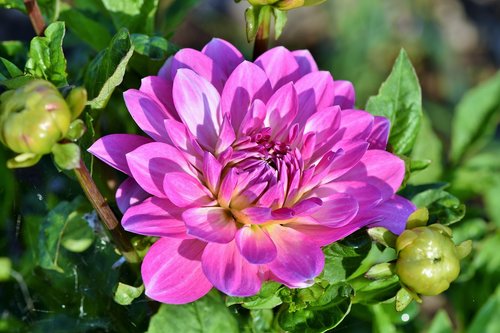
x,y
35,15
262,38
106,214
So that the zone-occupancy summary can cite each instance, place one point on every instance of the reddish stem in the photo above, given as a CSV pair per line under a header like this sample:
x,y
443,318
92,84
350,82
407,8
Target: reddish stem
x,y
35,16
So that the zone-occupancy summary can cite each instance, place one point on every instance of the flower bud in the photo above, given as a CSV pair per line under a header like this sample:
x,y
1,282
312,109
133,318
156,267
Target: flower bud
x,y
428,260
33,118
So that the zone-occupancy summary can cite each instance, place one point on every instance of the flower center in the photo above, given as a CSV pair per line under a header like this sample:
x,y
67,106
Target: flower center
x,y
269,148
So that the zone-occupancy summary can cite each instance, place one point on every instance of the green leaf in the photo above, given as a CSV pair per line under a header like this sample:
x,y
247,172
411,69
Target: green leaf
x,y
208,315
475,118
316,319
50,9
400,100
5,268
14,4
441,323
376,291
78,236
52,232
174,14
280,18
443,207
491,204
106,71
46,57
125,294
267,298
66,156
8,70
252,21
88,30
487,320
155,48
382,322
136,16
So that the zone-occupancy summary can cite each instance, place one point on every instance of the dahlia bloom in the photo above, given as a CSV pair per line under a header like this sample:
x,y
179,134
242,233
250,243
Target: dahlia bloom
x,y
249,169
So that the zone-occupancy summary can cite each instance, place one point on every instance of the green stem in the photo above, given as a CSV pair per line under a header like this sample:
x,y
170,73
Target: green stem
x,y
107,216
262,38
35,16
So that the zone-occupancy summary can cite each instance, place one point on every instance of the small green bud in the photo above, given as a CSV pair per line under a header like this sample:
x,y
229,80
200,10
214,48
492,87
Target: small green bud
x,y
33,118
76,99
289,4
380,271
428,260
262,2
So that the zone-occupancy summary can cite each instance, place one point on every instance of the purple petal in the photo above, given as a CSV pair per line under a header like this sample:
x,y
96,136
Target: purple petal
x,y
353,153
184,190
150,163
172,271
183,140
111,149
160,90
337,210
356,124
379,168
197,102
344,94
318,234
315,91
306,62
247,83
129,193
229,271
255,244
227,187
254,118
307,206
223,54
155,217
298,260
366,195
393,214
212,172
280,66
282,108
147,113
323,123
226,136
212,224
380,133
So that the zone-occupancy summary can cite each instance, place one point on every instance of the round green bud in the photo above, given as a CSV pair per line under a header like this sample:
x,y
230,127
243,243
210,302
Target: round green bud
x,y
33,117
428,260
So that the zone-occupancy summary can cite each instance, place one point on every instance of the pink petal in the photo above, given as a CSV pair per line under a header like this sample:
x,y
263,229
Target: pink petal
x,y
393,214
226,136
323,123
315,91
155,217
150,163
353,153
183,140
212,224
199,63
147,113
160,90
111,149
356,124
185,190
254,118
306,62
282,108
197,102
298,261
344,94
255,244
247,83
229,271
280,66
365,194
129,193
172,271
337,210
212,171
227,187
223,54
380,133
318,234
379,168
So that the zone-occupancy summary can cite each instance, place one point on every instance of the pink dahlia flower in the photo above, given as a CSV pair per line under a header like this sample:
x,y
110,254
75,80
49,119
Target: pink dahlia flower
x,y
249,169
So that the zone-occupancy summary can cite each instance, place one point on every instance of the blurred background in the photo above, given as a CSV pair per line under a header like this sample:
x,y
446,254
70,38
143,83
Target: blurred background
x,y
454,46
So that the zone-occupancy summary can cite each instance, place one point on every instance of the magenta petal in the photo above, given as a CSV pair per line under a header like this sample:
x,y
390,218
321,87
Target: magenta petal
x,y
111,149
323,123
344,94
160,90
229,271
155,217
380,133
282,108
365,194
212,172
306,62
393,214
298,261
227,187
315,91
247,83
379,168
226,135
356,124
353,152
129,193
147,113
151,162
197,102
224,55
337,210
172,271
184,190
255,244
183,140
319,234
212,224
280,66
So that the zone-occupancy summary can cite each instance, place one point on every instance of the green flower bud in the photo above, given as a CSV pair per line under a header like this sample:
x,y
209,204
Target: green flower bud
x,y
33,118
428,260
